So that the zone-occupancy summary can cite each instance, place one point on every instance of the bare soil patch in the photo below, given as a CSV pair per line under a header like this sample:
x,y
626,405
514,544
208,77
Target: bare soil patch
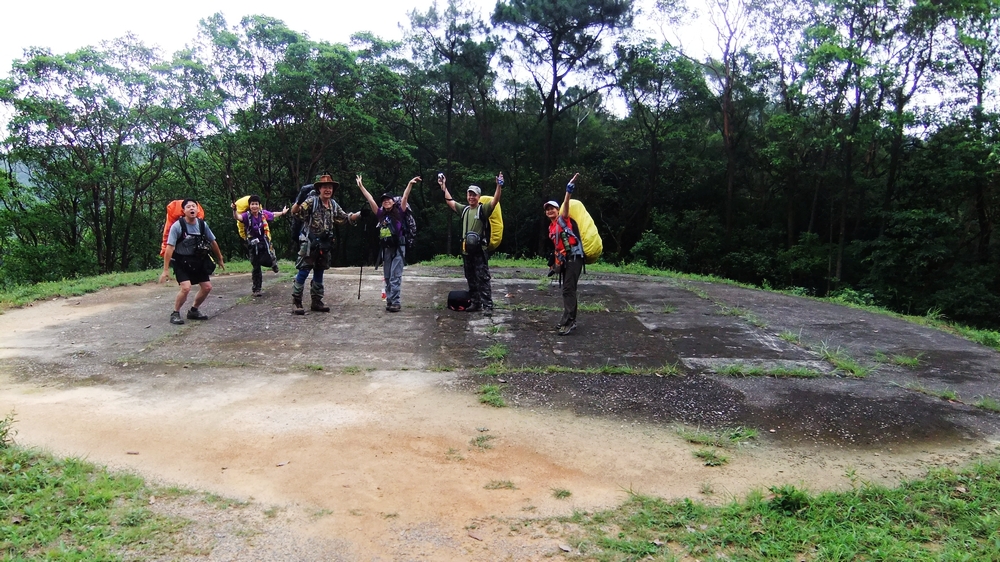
x,y
357,434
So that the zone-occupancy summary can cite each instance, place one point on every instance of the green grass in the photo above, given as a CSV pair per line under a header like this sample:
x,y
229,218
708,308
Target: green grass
x,y
561,493
987,403
490,394
944,394
498,368
711,458
791,337
500,485
844,362
495,352
898,359
7,431
722,438
70,509
668,309
741,370
948,515
592,307
21,295
482,441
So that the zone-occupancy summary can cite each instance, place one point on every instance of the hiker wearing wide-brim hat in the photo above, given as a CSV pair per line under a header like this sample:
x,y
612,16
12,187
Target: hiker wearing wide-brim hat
x,y
390,219
320,215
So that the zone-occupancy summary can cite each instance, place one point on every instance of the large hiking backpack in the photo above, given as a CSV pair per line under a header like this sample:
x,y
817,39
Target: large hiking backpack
x,y
593,246
174,212
409,223
296,223
243,206
494,226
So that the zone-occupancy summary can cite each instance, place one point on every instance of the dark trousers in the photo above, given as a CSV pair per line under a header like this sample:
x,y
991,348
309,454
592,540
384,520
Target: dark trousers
x,y
570,279
477,273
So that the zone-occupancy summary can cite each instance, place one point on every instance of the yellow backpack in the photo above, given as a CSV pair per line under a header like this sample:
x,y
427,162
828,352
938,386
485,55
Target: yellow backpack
x,y
593,246
495,226
242,206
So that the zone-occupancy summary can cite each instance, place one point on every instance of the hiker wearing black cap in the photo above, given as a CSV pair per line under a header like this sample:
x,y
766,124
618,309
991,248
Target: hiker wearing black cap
x,y
255,223
320,214
188,246
567,258
475,258
390,219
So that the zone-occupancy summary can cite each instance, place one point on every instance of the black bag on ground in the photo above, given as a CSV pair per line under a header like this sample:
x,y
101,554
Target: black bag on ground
x,y
459,300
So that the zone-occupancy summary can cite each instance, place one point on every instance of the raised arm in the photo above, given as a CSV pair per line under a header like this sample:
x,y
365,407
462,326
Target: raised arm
x,y
368,196
496,196
235,214
281,212
570,187
448,199
406,193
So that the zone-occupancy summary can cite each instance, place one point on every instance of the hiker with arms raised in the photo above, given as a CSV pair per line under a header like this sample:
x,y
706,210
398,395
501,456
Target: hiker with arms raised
x,y
188,245
255,223
475,258
320,214
390,219
567,255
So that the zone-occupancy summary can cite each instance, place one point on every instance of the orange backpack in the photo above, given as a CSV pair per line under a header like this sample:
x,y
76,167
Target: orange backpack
x,y
174,212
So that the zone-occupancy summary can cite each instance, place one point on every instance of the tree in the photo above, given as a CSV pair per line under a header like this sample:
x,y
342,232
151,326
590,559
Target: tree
x,y
558,38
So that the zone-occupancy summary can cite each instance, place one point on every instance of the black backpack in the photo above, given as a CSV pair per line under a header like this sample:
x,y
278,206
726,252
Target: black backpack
x,y
409,224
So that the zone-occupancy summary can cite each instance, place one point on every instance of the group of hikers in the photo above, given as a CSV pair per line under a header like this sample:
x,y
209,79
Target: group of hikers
x,y
190,242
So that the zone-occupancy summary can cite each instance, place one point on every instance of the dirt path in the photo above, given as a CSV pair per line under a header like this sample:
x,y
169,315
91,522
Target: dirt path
x,y
384,455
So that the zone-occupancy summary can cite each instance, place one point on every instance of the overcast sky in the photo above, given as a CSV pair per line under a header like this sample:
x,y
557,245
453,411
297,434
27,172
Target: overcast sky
x,y
65,26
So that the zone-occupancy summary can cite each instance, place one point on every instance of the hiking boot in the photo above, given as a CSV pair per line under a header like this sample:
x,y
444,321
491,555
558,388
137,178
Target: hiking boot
x,y
567,329
274,268
257,293
318,306
488,312
476,307
393,308
297,303
175,318
195,314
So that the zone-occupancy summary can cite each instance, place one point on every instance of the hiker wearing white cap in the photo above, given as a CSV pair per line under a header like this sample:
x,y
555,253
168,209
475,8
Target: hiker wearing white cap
x,y
475,258
567,255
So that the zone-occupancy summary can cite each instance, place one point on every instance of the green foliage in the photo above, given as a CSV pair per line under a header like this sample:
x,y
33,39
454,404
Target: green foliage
x,y
949,514
73,510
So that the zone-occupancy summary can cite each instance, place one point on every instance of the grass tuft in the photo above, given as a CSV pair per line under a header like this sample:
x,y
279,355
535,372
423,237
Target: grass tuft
x,y
495,352
490,394
561,493
711,458
500,485
741,370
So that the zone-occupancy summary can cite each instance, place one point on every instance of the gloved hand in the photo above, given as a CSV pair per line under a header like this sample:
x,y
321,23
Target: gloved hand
x,y
570,187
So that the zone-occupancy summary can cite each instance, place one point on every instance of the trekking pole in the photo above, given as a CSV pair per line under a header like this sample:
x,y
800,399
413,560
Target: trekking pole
x,y
362,261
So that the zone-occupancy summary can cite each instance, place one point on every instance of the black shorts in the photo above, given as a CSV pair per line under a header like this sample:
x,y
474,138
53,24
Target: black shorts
x,y
193,269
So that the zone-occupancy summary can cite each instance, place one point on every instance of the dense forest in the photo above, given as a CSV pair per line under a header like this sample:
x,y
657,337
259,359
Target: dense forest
x,y
831,146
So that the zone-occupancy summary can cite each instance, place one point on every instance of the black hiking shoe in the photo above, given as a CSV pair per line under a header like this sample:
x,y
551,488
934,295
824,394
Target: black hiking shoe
x,y
476,307
488,312
195,314
393,308
274,268
175,318
567,329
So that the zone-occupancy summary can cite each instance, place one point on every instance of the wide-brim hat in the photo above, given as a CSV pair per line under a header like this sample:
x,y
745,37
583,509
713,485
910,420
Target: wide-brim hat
x,y
325,179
